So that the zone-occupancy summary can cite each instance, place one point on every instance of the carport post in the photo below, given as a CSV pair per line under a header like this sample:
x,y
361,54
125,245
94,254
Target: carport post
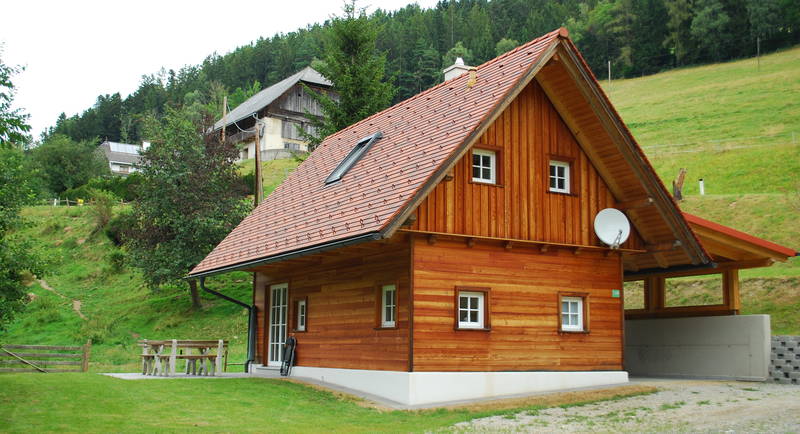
x,y
730,290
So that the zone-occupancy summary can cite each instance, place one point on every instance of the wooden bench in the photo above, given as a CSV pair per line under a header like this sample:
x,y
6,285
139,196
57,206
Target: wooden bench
x,y
159,357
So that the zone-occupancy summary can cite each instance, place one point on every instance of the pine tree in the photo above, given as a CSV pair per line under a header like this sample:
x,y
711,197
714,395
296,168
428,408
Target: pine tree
x,y
356,69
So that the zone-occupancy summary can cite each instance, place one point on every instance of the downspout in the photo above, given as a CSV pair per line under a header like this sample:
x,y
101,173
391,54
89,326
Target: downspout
x,y
251,322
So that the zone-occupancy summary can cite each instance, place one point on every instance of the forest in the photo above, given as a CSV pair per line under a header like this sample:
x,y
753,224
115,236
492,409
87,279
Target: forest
x,y
637,37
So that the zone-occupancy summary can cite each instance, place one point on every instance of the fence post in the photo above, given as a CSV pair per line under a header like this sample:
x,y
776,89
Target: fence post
x,y
172,357
87,347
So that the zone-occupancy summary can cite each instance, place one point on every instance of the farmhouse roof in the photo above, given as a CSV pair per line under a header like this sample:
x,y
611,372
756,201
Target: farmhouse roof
x,y
422,138
119,157
267,96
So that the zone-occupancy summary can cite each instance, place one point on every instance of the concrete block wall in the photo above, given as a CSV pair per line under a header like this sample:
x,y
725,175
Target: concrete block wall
x,y
785,360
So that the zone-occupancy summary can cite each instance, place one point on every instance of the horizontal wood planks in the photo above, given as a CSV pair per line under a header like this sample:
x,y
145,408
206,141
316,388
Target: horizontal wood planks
x,y
524,285
341,289
526,136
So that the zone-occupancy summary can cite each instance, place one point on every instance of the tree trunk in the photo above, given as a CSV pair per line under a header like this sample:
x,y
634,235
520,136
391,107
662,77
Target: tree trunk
x,y
195,295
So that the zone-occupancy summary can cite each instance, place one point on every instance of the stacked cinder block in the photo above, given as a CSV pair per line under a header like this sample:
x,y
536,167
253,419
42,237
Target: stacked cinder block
x,y
785,361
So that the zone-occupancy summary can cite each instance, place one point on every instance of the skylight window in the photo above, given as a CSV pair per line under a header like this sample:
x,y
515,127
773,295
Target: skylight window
x,y
352,158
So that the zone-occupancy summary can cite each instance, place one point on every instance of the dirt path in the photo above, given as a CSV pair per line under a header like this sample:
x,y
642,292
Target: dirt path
x,y
680,405
46,286
76,304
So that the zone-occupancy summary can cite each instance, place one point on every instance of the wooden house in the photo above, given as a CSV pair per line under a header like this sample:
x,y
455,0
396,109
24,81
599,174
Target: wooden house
x,y
443,249
281,109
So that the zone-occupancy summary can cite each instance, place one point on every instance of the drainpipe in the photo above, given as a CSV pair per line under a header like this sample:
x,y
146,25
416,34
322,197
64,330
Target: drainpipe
x,y
251,322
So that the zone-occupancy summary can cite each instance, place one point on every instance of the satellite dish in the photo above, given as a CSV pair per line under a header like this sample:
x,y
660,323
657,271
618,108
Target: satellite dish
x,y
612,227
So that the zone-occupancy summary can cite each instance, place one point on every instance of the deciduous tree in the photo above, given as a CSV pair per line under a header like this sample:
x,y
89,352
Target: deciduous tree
x,y
16,255
13,122
65,163
188,201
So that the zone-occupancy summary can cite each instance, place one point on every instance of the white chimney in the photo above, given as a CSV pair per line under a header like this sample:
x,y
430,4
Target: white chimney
x,y
145,145
457,69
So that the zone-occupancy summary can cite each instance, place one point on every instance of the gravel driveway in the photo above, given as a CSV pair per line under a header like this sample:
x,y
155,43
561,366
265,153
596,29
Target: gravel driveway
x,y
679,405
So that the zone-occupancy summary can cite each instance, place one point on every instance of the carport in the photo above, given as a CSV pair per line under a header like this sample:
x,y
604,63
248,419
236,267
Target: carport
x,y
709,340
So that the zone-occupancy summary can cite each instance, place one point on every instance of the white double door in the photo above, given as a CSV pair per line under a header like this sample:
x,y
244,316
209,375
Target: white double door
x,y
278,311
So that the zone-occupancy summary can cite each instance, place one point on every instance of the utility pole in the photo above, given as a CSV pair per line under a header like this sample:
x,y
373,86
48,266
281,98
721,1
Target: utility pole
x,y
758,52
224,117
259,190
609,73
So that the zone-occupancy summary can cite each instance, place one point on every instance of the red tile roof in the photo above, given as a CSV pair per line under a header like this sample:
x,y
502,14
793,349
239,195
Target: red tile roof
x,y
777,248
419,134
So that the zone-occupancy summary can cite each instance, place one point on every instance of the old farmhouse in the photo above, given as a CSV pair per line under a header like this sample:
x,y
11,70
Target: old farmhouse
x,y
443,249
281,109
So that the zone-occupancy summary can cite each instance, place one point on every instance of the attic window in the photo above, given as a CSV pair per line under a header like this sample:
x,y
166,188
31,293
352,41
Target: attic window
x,y
352,158
559,177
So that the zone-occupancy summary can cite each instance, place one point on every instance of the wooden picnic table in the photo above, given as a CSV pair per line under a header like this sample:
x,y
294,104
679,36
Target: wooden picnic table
x,y
159,357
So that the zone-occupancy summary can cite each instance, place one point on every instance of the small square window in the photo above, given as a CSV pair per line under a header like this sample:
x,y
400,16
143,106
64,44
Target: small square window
x,y
572,314
559,177
471,310
388,305
484,166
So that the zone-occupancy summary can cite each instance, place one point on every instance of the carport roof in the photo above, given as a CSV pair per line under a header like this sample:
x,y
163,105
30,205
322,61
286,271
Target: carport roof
x,y
725,243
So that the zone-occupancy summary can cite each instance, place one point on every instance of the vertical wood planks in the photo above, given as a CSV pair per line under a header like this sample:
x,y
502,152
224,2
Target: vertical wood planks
x,y
526,136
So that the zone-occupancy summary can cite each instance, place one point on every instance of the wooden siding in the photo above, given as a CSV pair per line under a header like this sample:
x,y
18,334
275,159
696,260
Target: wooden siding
x,y
524,285
297,100
525,137
341,292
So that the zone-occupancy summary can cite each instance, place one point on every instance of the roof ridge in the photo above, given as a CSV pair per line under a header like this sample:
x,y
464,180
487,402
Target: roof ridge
x,y
431,89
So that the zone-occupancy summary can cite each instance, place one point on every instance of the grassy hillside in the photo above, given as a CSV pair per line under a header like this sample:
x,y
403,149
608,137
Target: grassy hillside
x,y
119,309
736,127
727,123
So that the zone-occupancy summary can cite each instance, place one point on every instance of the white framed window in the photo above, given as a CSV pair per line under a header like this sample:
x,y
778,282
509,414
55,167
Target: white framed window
x,y
471,310
388,305
301,316
484,166
572,314
559,176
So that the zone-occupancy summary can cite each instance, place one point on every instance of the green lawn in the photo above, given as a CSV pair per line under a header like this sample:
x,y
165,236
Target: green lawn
x,y
96,403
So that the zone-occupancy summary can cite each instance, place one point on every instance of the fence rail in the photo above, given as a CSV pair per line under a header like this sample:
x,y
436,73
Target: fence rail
x,y
68,202
42,358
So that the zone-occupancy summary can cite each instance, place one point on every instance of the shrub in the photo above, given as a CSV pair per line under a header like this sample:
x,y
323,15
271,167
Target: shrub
x,y
123,187
102,209
118,226
83,192
117,261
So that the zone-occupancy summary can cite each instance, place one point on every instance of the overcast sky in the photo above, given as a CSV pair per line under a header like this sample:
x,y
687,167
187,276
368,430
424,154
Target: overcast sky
x,y
74,51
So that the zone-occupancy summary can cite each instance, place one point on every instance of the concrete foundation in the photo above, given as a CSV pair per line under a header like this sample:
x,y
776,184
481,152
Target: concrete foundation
x,y
723,347
425,388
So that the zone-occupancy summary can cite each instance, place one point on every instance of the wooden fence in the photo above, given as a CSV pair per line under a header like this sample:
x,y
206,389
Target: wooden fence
x,y
45,358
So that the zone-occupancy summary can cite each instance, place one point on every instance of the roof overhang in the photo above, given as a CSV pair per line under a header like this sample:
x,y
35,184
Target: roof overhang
x,y
725,243
249,265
